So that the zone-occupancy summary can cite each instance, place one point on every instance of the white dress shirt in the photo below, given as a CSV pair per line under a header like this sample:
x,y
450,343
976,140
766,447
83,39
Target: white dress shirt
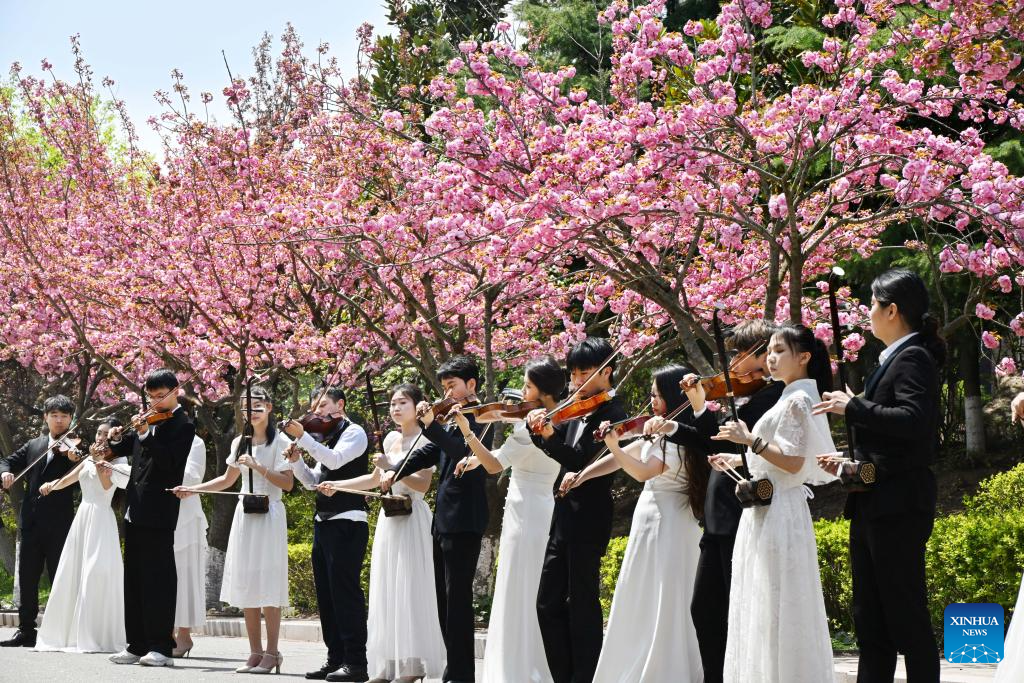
x,y
351,444
893,348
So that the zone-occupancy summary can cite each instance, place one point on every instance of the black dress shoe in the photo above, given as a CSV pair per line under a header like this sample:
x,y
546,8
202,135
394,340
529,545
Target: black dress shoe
x,y
321,673
21,639
349,673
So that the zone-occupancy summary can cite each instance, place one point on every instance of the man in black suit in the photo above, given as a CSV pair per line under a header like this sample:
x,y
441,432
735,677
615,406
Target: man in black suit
x,y
460,516
44,521
895,426
693,429
159,453
568,598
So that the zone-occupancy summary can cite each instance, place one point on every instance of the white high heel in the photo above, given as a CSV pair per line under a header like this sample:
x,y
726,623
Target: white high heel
x,y
255,658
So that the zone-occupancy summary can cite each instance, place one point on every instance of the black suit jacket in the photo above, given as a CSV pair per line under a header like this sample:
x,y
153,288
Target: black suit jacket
x,y
158,463
584,515
895,425
55,511
722,509
461,505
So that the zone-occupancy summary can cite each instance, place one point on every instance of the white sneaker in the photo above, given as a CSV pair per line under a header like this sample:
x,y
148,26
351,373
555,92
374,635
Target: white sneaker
x,y
124,657
156,659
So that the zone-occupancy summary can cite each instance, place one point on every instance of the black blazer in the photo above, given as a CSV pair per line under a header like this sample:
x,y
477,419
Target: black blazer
x,y
461,505
584,515
158,463
55,511
895,425
722,509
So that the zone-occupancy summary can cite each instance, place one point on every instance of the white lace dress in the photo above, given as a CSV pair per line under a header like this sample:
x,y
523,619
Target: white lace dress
x,y
256,561
85,612
778,632
1011,669
515,651
651,638
403,631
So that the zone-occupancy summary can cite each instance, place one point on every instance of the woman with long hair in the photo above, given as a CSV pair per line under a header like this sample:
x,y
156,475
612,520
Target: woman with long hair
x,y
778,631
650,636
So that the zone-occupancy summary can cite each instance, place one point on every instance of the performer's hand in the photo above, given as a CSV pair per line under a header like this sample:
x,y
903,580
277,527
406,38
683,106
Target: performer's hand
x,y
7,479
694,390
832,402
386,480
141,426
74,455
535,419
379,461
568,482
247,460
611,437
735,431
325,488
182,492
292,454
461,421
115,434
1017,408
46,488
294,429
723,461
830,463
658,425
470,462
425,413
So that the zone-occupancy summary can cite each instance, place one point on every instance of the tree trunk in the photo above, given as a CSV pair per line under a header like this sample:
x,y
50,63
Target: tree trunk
x,y
974,422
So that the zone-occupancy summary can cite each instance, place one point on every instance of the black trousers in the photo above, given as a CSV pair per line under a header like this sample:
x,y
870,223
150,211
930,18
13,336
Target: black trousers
x,y
890,601
710,605
339,547
569,609
150,589
40,546
455,559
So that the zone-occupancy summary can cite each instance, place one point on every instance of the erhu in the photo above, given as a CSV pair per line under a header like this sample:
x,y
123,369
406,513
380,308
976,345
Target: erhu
x,y
392,504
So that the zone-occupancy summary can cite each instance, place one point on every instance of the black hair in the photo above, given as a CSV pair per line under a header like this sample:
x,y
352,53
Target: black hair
x,y
410,391
459,367
694,460
907,290
161,379
590,353
259,393
547,375
111,422
58,403
750,335
800,339
336,394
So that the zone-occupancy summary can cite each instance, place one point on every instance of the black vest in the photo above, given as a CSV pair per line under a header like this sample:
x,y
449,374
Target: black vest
x,y
328,506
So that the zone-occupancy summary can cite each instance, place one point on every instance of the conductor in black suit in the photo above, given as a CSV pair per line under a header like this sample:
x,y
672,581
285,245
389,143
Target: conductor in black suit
x,y
460,516
569,594
895,426
694,429
44,520
159,453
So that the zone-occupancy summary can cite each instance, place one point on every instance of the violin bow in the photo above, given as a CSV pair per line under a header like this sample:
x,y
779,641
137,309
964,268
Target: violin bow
x,y
572,397
837,340
56,444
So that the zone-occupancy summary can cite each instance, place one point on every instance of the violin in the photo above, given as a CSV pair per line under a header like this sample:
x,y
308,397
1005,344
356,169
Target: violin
x,y
624,429
745,384
69,448
502,411
581,407
314,424
440,409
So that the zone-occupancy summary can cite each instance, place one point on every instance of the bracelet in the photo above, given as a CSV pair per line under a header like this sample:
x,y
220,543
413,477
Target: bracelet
x,y
755,444
764,447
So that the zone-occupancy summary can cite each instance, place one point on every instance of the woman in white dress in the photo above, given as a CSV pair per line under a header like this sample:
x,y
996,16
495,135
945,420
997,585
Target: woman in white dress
x,y
651,637
1011,668
404,640
256,561
778,632
190,555
515,652
85,612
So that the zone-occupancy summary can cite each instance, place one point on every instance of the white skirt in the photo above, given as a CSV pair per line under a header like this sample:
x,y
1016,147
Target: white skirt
x,y
778,631
190,561
403,631
515,651
1011,669
256,562
651,638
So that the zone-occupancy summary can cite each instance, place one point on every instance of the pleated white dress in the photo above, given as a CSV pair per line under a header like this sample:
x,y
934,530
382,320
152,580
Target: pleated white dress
x,y
515,652
403,631
190,546
85,612
651,638
1011,669
256,561
778,632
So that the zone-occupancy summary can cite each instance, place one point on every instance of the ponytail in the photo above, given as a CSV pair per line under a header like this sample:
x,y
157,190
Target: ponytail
x,y
800,339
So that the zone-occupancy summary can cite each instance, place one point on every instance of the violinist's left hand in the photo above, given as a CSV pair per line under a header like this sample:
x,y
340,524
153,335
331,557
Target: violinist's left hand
x,y
425,413
611,437
735,431
74,455
294,429
461,421
832,402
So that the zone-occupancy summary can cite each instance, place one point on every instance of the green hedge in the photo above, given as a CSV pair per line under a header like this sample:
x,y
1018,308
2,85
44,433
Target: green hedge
x,y
1003,492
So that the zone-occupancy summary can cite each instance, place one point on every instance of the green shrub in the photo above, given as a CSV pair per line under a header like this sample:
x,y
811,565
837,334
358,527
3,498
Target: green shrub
x,y
301,591
833,538
611,563
999,493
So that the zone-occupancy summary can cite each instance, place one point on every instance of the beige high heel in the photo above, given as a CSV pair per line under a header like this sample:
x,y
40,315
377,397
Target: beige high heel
x,y
265,667
254,659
